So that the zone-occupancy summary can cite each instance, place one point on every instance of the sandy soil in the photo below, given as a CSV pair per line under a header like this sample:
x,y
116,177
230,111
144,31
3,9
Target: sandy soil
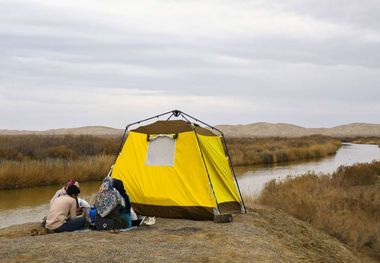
x,y
262,235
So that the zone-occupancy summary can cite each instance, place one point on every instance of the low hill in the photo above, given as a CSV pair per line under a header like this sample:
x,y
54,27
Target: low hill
x,y
262,235
263,129
260,129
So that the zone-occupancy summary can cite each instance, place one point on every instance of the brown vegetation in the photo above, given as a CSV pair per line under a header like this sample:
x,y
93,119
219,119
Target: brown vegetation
x,y
16,174
249,151
35,147
35,160
367,140
345,204
32,160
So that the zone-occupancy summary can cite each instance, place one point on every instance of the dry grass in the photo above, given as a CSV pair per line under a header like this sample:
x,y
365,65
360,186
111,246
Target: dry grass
x,y
43,160
345,204
35,147
367,140
34,160
16,174
262,235
249,151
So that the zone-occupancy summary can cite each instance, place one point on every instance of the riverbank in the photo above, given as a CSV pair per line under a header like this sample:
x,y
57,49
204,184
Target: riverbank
x,y
262,235
344,204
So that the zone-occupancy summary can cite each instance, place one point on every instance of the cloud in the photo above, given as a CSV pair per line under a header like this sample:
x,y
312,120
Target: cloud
x,y
79,62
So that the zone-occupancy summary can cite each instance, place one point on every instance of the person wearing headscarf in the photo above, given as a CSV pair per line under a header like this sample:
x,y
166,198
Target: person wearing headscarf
x,y
108,202
63,190
125,211
79,201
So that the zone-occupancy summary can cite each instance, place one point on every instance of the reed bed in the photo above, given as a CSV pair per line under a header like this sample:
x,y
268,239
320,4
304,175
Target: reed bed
x,y
345,204
250,151
27,161
35,147
16,174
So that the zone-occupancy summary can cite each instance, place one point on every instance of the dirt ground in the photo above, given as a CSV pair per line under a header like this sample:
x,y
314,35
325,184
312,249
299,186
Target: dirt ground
x,y
262,235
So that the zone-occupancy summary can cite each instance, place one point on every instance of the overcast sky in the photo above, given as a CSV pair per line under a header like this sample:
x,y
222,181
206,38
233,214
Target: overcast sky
x,y
76,63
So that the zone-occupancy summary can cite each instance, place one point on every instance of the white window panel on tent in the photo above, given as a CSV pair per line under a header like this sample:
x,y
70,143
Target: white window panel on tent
x,y
161,150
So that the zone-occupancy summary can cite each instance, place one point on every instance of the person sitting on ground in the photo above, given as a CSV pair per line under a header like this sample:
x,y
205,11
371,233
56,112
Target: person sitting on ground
x,y
81,203
108,202
62,216
126,211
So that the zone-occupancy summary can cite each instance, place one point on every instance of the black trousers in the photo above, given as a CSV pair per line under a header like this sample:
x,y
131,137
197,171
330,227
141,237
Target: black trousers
x,y
72,225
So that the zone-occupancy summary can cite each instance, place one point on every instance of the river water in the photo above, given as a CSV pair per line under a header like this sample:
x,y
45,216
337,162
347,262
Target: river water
x,y
253,178
31,204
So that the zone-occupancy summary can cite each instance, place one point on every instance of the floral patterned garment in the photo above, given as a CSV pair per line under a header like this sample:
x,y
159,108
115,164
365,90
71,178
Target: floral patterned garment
x,y
107,198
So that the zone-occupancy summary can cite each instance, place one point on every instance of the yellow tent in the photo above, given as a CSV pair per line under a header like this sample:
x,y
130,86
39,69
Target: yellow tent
x,y
175,168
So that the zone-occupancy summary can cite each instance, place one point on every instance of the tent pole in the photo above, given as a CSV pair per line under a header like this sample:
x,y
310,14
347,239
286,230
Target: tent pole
x,y
170,116
110,172
183,116
228,155
233,172
138,122
212,127
121,143
157,116
208,175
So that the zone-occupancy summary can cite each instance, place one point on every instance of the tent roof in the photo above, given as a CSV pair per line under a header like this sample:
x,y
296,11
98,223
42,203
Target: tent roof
x,y
171,126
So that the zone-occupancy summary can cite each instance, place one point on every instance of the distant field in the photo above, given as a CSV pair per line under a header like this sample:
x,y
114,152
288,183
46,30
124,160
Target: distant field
x,y
34,160
345,204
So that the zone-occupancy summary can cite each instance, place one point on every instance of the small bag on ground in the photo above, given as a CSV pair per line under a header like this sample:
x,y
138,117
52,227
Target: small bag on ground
x,y
103,223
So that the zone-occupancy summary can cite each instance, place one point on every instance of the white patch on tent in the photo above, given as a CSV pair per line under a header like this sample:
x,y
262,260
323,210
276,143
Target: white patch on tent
x,y
161,151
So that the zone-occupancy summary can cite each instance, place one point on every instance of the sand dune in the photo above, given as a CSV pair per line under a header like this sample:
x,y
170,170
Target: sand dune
x,y
263,129
260,129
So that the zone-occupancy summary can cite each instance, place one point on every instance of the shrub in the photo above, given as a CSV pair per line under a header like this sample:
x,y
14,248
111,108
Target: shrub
x,y
62,152
249,151
9,154
345,204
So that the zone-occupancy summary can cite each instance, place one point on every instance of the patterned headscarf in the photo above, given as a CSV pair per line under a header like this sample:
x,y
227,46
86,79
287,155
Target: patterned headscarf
x,y
71,182
107,198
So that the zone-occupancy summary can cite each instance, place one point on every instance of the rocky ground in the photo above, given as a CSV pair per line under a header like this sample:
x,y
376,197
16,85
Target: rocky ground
x,y
262,235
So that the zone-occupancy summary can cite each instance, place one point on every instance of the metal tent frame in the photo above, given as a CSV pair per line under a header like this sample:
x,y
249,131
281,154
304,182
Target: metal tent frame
x,y
177,114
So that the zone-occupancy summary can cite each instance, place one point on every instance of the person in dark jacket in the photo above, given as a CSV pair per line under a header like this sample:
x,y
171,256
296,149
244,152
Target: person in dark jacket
x,y
125,210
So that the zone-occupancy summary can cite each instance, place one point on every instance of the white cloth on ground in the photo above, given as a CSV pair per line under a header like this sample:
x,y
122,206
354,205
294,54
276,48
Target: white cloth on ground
x,y
133,215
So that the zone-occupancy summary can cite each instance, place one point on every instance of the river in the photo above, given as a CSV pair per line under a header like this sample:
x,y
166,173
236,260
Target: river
x,y
253,178
31,204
